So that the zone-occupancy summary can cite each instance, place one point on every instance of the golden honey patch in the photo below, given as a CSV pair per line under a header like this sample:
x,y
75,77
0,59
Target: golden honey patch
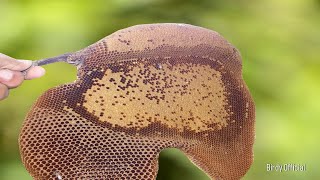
x,y
185,97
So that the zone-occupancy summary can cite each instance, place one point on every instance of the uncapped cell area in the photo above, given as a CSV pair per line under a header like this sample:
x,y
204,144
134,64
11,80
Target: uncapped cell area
x,y
139,91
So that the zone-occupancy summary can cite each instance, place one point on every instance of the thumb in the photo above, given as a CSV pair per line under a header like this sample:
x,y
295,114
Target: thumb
x,y
35,72
7,62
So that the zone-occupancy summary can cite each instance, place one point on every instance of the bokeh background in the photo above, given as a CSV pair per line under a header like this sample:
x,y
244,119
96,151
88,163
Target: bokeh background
x,y
279,42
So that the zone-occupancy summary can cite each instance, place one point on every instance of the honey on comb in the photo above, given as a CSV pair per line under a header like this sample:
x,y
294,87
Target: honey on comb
x,y
189,96
139,91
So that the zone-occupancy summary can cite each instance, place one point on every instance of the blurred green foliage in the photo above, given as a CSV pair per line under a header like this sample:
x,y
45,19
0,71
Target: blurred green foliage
x,y
279,42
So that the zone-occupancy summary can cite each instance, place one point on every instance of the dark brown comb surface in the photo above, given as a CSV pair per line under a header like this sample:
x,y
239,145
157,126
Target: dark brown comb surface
x,y
139,91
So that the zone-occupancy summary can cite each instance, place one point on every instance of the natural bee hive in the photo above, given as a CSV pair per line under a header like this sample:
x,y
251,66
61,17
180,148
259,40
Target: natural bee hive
x,y
139,91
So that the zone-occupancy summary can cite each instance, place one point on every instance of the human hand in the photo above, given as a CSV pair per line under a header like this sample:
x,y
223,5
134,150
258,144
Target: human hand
x,y
11,75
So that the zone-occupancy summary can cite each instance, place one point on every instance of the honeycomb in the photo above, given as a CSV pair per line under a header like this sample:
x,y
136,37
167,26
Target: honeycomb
x,y
141,90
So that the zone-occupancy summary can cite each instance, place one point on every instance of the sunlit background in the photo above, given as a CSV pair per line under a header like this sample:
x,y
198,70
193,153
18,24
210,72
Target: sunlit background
x,y
279,41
